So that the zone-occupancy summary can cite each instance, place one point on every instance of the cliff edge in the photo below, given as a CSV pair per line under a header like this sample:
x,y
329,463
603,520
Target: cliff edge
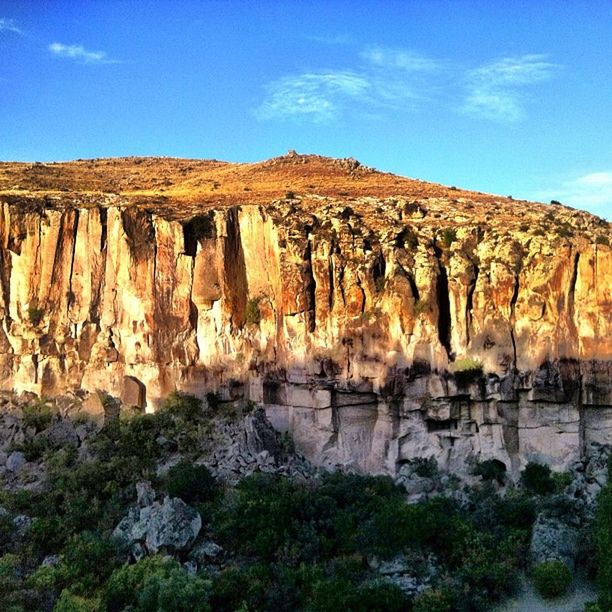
x,y
377,318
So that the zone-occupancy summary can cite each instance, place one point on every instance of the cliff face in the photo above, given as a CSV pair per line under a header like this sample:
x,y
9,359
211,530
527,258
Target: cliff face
x,y
414,321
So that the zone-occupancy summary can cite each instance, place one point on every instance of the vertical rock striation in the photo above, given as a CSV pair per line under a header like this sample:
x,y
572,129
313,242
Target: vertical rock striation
x,y
384,329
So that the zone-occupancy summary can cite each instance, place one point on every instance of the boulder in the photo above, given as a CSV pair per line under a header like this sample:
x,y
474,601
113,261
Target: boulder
x,y
206,552
145,494
15,461
94,405
171,525
60,434
260,435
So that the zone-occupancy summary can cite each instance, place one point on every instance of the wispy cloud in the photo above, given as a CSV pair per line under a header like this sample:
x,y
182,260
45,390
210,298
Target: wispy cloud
x,y
401,59
9,25
592,191
496,90
315,95
385,78
402,79
79,53
338,39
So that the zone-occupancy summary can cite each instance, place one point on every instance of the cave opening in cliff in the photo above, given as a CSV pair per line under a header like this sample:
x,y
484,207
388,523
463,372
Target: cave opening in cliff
x,y
442,425
444,319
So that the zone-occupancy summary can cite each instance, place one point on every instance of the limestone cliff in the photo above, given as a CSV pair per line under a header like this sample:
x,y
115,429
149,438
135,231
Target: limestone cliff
x,y
378,318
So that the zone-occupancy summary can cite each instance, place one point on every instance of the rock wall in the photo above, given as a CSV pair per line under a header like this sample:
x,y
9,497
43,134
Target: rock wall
x,y
373,338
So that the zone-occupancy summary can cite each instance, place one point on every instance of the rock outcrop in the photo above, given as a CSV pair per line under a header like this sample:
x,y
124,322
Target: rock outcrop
x,y
375,318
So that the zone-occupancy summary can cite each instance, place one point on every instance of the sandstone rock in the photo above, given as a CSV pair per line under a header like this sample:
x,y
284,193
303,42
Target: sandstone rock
x,y
94,405
134,393
363,306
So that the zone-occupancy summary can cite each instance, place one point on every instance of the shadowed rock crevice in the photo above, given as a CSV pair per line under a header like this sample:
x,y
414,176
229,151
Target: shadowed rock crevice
x,y
444,316
235,279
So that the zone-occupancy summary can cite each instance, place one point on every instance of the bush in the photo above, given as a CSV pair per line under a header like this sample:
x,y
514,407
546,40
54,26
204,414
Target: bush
x,y
491,469
425,467
68,602
192,483
252,314
537,479
183,406
516,510
35,315
552,579
155,583
449,235
467,370
432,601
603,537
38,415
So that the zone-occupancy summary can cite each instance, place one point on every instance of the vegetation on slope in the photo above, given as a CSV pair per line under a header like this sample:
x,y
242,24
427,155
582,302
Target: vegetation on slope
x,y
316,544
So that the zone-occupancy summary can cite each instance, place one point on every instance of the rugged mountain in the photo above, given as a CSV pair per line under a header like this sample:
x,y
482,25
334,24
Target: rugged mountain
x,y
377,318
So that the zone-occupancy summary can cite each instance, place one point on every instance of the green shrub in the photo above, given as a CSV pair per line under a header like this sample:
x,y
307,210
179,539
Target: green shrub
x,y
35,315
449,235
516,510
252,314
156,584
69,602
432,601
34,448
192,483
183,406
552,579
425,467
491,469
603,537
467,370
562,480
38,415
537,478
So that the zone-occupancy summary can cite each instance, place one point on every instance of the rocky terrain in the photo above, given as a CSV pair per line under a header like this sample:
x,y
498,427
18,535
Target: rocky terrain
x,y
376,318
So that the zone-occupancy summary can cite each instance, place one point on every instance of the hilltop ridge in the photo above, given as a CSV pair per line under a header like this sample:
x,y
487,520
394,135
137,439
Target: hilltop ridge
x,y
375,317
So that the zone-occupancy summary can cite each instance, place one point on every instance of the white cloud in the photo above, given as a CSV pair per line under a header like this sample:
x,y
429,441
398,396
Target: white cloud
x,y
590,191
9,25
387,78
398,59
338,39
401,79
495,89
318,96
79,53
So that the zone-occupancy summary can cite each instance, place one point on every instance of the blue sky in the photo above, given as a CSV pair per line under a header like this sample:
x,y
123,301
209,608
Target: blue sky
x,y
512,98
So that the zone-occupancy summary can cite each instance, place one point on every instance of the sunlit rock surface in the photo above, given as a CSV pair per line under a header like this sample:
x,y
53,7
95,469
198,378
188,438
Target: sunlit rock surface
x,y
376,318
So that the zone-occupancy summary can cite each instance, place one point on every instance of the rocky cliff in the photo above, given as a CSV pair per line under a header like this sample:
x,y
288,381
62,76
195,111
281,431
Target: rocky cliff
x,y
375,317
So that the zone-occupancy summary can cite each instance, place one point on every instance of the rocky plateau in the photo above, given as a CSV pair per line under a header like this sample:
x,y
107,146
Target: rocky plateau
x,y
375,318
